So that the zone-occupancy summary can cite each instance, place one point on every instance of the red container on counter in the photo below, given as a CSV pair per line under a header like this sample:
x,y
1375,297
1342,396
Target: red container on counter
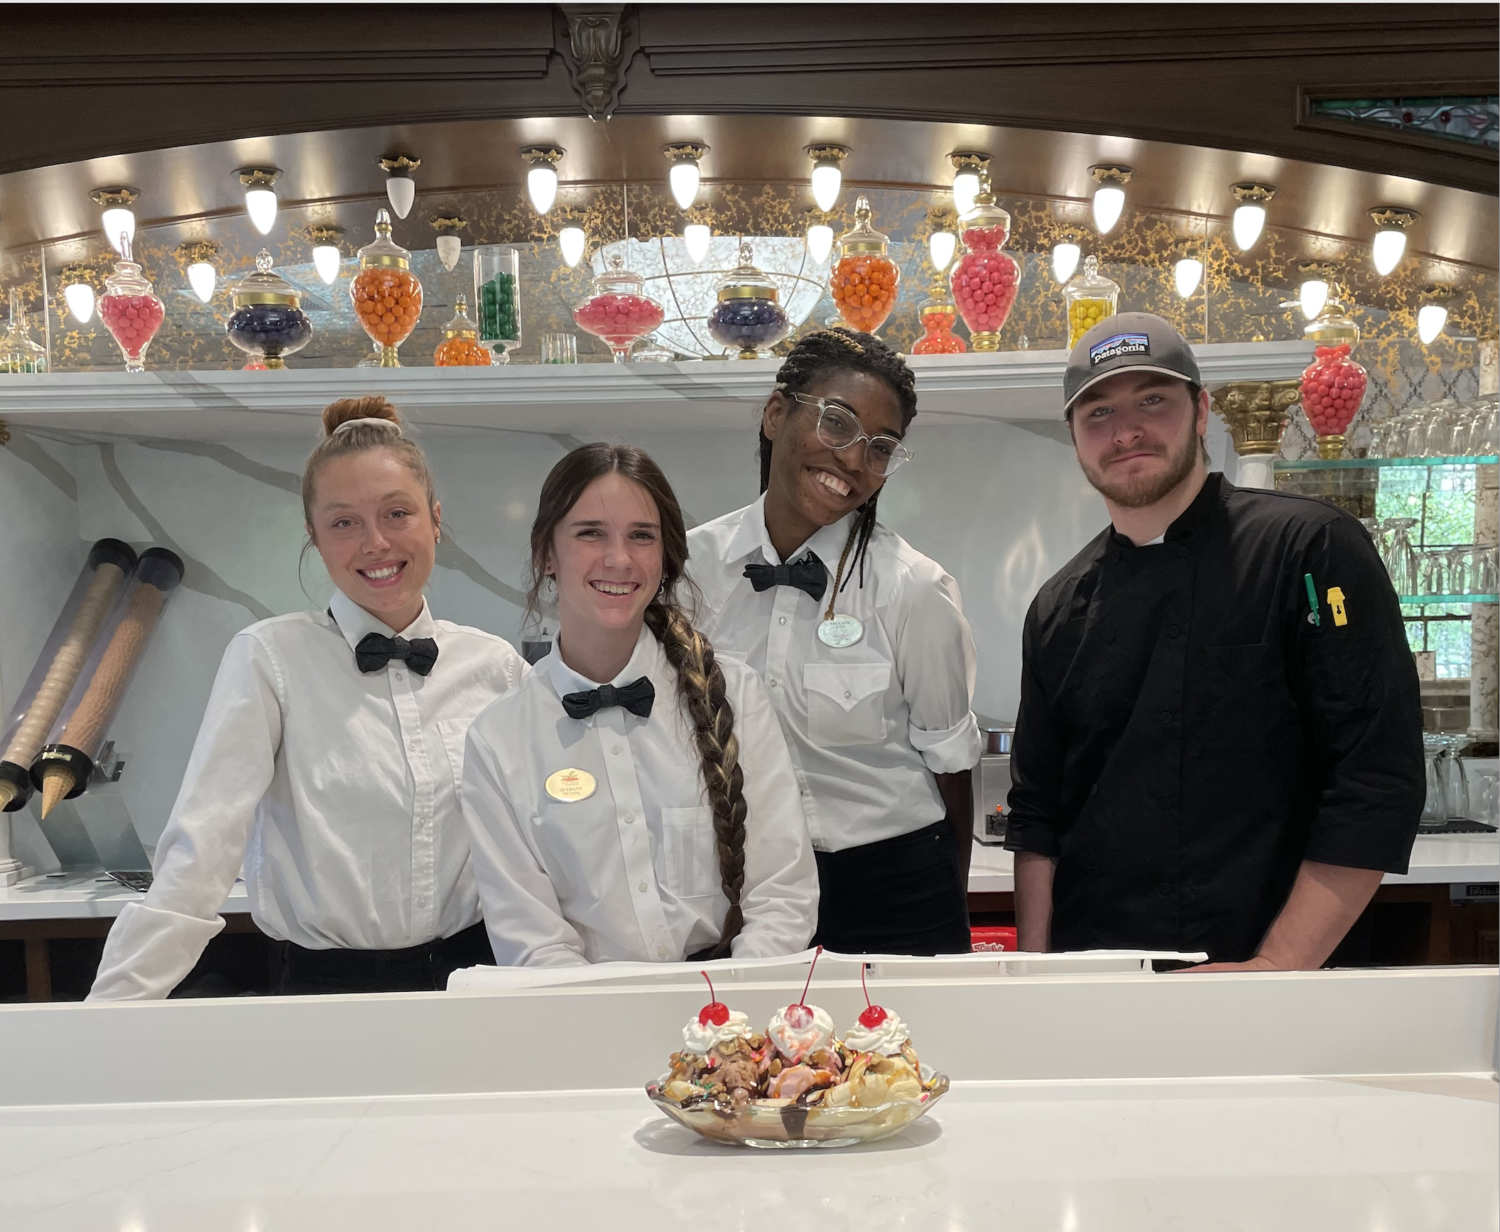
x,y
994,938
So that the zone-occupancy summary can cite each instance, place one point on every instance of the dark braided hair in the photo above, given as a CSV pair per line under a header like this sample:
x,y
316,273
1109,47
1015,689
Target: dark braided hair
x,y
826,350
700,680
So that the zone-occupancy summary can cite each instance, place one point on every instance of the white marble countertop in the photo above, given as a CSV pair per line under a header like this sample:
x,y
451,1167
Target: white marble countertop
x,y
1233,1155
1442,859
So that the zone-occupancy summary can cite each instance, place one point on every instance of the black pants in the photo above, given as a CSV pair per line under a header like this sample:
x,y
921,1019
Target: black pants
x,y
300,972
898,896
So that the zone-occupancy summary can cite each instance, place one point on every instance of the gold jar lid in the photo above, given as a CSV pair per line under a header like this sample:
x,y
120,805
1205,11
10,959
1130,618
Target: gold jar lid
x,y
862,238
1332,327
265,287
382,250
462,325
746,280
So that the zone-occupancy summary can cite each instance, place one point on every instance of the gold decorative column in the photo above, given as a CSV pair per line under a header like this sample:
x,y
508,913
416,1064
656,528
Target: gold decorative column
x,y
1256,414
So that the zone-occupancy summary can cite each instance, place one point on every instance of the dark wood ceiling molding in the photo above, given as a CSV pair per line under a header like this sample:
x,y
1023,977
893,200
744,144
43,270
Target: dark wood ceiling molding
x,y
1307,119
597,43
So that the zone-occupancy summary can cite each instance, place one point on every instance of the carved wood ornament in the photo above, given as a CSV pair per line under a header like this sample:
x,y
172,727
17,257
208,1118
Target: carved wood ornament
x,y
596,43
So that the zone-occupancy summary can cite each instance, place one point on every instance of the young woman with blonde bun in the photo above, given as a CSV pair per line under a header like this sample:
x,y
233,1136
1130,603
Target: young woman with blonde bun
x,y
330,754
634,798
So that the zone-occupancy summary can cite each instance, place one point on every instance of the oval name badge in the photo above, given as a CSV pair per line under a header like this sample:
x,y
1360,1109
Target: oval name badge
x,y
840,631
570,785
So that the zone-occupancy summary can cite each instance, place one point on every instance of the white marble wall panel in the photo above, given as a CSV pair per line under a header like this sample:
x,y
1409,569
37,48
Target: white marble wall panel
x,y
1002,506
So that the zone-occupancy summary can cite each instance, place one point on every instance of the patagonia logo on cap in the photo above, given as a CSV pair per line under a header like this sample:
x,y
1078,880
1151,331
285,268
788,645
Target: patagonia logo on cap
x,y
1120,344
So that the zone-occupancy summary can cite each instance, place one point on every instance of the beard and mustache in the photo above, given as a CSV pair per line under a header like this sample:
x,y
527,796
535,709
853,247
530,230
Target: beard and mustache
x,y
1138,491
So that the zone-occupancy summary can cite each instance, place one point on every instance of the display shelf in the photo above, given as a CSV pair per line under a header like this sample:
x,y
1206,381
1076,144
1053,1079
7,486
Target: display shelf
x,y
1428,600
1362,464
582,399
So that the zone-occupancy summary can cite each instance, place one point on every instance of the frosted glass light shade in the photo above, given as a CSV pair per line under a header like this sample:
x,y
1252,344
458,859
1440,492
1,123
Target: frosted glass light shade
x,y
571,241
1109,204
201,277
1187,274
697,237
819,242
402,191
80,300
260,204
541,186
827,179
1312,295
683,177
1065,261
965,189
449,247
326,260
1249,222
941,245
115,220
1387,250
1430,321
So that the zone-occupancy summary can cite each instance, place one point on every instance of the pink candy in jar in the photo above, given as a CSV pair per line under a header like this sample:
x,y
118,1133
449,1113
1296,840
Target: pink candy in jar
x,y
129,309
985,279
619,311
1333,386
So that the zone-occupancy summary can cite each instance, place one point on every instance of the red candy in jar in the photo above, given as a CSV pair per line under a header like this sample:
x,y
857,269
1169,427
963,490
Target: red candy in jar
x,y
619,311
937,316
1333,386
985,279
129,310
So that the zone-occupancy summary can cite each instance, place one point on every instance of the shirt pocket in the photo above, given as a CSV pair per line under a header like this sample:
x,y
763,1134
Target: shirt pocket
x,y
846,702
452,734
689,866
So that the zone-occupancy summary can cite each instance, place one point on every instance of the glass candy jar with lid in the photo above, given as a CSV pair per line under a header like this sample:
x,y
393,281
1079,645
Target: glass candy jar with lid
x,y
18,353
268,323
1333,385
130,310
864,278
618,310
460,347
937,314
497,298
985,279
748,317
1090,298
387,295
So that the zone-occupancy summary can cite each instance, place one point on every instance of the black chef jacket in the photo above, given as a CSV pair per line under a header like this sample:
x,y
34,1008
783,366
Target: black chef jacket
x,y
1187,737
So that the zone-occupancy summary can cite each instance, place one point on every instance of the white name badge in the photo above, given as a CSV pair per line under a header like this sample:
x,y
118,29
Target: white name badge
x,y
840,631
570,785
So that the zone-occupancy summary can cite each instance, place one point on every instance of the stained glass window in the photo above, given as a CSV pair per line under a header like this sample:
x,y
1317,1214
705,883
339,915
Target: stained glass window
x,y
1474,120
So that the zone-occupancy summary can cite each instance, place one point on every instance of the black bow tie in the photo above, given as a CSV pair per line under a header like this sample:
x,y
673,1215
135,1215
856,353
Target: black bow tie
x,y
635,697
375,650
809,574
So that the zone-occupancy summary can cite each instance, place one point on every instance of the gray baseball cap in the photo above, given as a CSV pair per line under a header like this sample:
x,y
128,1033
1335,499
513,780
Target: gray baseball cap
x,y
1127,342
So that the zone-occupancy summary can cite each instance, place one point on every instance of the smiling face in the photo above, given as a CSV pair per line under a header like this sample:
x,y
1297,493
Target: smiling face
x,y
1138,436
372,526
810,483
606,559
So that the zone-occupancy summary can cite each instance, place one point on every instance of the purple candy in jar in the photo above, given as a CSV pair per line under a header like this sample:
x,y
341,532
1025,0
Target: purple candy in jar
x,y
748,317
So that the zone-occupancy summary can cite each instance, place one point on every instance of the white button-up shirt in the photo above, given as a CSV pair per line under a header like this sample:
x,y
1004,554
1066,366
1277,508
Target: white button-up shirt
x,y
869,724
337,789
630,872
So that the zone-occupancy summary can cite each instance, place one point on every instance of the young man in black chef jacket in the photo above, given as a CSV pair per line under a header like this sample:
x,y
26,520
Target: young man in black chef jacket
x,y
1219,740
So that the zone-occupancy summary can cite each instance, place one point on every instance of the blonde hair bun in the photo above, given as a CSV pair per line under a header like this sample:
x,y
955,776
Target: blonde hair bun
x,y
336,414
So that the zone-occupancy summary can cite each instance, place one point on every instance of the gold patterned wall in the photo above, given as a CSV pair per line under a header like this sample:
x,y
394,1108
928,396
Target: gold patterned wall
x,y
1243,297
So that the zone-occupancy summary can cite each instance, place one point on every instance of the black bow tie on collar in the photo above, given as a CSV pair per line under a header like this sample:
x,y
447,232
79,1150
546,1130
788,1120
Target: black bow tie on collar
x,y
809,574
635,697
375,650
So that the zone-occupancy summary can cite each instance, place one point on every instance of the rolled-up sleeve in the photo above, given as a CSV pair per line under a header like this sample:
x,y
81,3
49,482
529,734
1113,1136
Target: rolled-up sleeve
x,y
1359,688
1036,759
936,662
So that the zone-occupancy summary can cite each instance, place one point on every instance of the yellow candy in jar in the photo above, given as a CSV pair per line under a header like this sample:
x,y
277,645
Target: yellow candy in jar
x,y
1084,314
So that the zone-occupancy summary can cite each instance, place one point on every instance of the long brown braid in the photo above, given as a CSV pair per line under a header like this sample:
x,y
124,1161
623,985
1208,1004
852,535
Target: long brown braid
x,y
700,682
849,350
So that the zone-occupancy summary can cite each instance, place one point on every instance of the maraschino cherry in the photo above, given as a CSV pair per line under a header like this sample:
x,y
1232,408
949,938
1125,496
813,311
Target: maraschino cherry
x,y
873,1015
715,1011
799,1017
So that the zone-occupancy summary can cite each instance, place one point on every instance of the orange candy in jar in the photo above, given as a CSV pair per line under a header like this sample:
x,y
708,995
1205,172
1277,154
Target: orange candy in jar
x,y
387,295
938,314
460,347
864,279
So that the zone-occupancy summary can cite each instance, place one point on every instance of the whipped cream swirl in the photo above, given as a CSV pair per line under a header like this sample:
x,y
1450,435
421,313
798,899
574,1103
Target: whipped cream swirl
x,y
885,1039
798,1031
700,1037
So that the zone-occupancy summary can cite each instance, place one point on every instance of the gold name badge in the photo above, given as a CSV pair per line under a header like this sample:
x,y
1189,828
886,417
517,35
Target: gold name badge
x,y
571,785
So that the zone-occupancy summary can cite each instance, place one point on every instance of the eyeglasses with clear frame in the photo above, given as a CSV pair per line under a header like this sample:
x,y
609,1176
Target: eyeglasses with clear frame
x,y
839,428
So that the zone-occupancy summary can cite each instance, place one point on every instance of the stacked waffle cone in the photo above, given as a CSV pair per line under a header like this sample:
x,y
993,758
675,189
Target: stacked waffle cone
x,y
86,727
63,673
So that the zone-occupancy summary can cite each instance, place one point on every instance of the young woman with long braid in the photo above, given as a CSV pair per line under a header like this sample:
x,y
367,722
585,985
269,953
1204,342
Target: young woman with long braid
x,y
633,799
862,644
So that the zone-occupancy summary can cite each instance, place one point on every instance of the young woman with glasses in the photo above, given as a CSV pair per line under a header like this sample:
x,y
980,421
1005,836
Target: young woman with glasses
x,y
863,646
